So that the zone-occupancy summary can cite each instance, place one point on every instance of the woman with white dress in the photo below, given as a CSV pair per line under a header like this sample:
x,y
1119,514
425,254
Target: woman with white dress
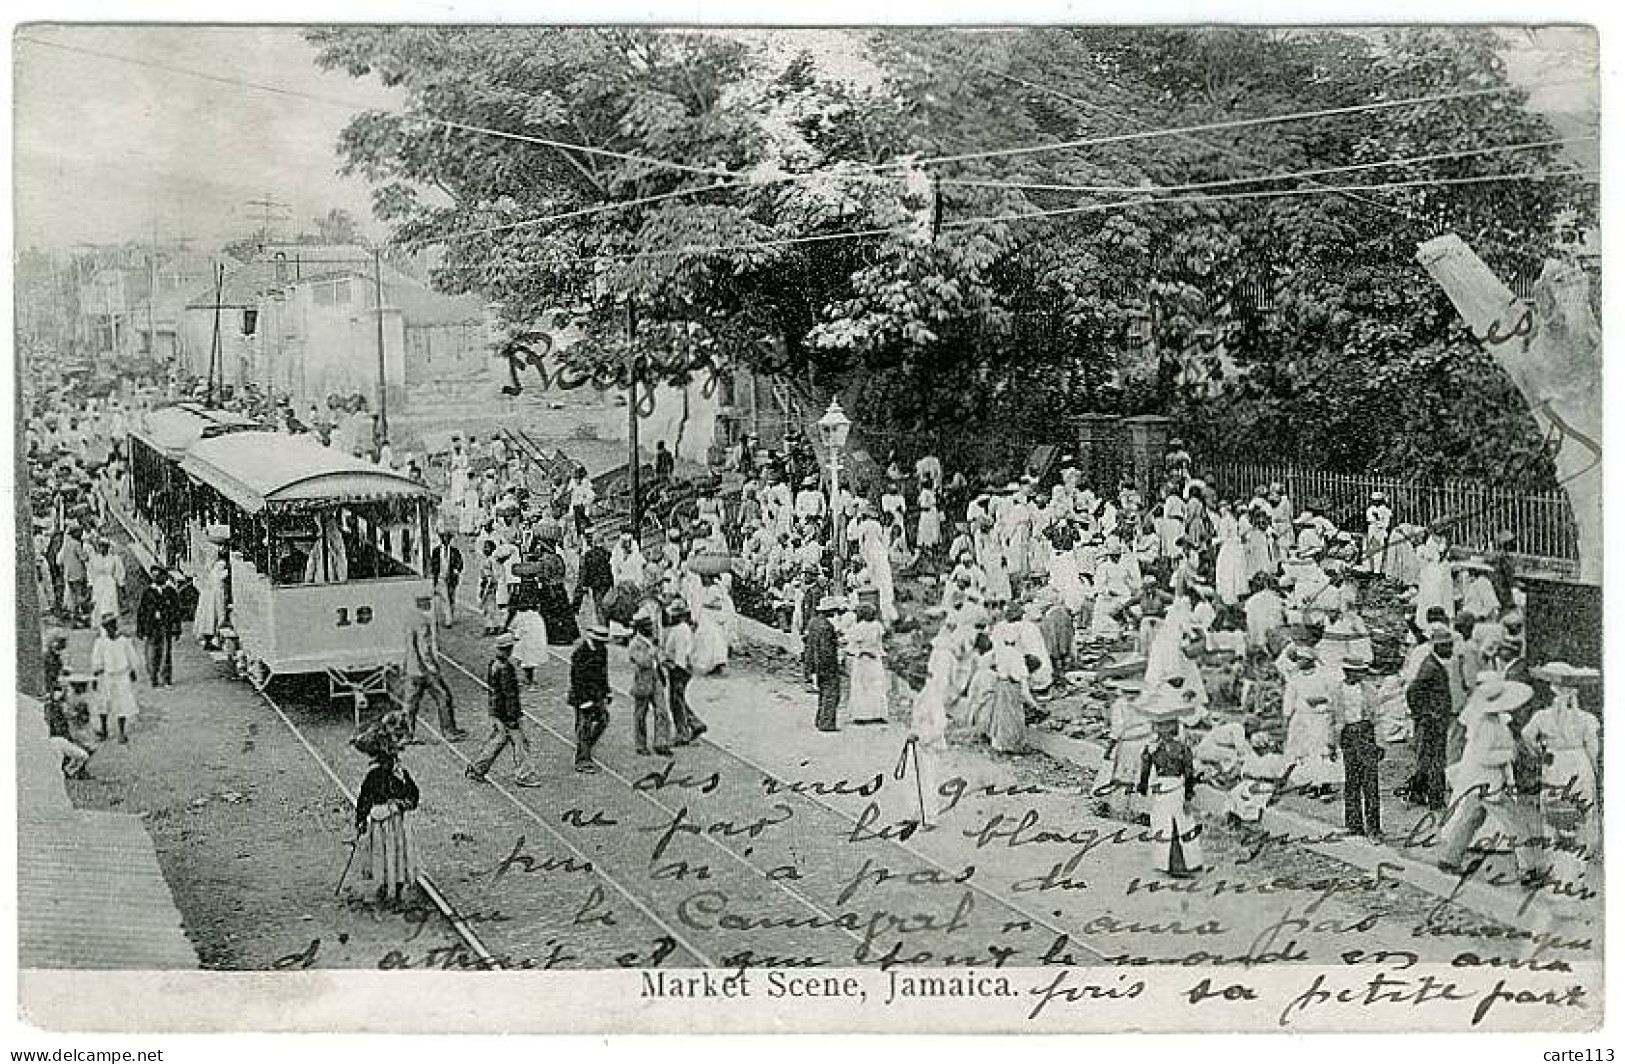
x,y
866,653
105,571
1167,657
1064,578
710,628
928,533
1569,741
210,616
1435,586
1311,744
1230,575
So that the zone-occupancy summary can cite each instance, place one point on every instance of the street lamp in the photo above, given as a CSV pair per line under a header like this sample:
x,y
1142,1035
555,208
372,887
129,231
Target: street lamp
x,y
832,430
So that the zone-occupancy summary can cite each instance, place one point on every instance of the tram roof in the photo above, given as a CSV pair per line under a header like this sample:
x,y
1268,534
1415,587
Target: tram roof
x,y
175,428
256,470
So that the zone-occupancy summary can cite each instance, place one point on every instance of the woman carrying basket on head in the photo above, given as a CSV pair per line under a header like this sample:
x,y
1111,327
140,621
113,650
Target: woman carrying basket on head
x,y
387,795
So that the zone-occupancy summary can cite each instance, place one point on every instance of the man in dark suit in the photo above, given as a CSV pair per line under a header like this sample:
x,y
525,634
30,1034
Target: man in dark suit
x,y
597,577
446,572
157,623
824,662
589,693
1433,707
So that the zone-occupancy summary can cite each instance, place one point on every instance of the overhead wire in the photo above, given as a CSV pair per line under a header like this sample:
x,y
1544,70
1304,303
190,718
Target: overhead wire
x,y
1376,164
747,181
1026,216
350,105
1086,105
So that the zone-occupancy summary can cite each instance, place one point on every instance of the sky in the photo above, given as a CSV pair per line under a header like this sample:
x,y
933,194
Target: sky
x,y
105,150
108,150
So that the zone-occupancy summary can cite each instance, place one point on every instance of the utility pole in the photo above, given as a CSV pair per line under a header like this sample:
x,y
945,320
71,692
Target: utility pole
x,y
152,291
634,474
383,388
214,344
270,210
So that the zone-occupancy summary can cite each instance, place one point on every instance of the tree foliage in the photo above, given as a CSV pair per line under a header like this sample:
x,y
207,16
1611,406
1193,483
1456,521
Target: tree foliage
x,y
1292,326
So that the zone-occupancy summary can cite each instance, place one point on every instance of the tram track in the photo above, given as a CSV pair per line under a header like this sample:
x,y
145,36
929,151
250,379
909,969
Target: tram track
x,y
438,895
796,885
830,839
425,883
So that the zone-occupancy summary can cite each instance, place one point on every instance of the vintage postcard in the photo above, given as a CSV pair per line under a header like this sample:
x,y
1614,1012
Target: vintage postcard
x,y
634,529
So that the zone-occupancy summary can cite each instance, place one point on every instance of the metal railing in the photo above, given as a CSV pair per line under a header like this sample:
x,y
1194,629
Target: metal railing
x,y
1468,513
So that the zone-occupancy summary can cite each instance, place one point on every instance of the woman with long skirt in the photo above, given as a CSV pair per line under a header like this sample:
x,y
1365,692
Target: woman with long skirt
x,y
1230,572
711,628
387,795
1569,741
1434,586
555,605
1168,783
868,667
1012,696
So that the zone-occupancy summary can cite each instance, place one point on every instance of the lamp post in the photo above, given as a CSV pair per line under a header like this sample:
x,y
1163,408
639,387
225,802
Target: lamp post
x,y
832,430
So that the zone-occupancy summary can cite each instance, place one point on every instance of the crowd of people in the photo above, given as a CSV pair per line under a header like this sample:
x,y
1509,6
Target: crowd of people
x,y
1185,605
1028,580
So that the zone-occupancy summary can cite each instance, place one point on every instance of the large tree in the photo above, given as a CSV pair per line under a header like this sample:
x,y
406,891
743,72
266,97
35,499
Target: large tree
x,y
1297,323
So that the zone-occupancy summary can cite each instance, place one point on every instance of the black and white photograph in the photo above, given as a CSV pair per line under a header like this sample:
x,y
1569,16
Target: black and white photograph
x,y
640,528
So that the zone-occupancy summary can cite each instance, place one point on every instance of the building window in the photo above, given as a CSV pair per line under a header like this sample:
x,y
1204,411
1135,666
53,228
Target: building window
x,y
331,293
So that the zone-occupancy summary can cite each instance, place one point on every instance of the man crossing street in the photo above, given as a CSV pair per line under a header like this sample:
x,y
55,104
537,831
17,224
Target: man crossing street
x,y
421,668
589,693
507,719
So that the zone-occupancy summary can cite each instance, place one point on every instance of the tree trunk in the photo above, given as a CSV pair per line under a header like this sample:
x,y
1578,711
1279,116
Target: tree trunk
x,y
1553,353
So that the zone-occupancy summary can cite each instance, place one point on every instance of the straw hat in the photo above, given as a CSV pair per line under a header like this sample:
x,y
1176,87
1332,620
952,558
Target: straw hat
x,y
1496,696
507,639
596,632
1474,564
1563,674
831,604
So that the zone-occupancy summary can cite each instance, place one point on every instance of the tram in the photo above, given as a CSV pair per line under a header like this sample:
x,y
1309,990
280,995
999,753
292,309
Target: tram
x,y
325,554
158,490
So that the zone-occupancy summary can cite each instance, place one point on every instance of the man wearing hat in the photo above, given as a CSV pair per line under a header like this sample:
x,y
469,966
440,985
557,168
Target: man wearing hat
x,y
445,573
647,700
420,667
1354,716
589,693
824,661
1482,784
157,623
507,718
677,663
1379,519
1433,698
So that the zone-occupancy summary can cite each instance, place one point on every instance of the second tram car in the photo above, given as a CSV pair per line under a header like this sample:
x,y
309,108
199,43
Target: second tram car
x,y
158,490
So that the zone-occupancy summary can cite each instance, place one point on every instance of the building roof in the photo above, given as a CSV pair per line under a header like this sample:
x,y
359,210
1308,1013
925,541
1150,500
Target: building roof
x,y
246,282
305,264
90,892
255,470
